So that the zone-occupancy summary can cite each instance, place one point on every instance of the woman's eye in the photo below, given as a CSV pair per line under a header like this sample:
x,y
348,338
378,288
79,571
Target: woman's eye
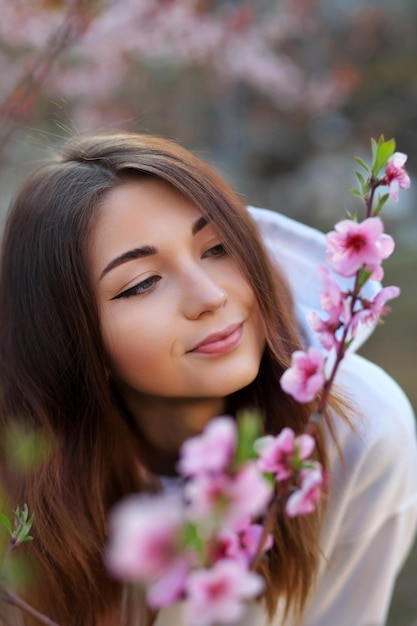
x,y
215,251
142,287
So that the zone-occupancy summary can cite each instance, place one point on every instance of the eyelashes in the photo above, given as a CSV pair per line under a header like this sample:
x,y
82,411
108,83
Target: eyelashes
x,y
216,251
142,287
145,286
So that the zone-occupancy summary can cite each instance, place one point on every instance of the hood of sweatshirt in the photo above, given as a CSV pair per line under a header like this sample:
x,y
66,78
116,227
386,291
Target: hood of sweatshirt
x,y
298,250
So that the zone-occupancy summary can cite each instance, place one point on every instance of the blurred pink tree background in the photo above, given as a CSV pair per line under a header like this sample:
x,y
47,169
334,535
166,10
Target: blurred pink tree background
x,y
278,95
260,86
98,56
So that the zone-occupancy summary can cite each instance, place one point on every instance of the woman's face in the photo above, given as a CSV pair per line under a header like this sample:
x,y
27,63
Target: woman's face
x,y
178,318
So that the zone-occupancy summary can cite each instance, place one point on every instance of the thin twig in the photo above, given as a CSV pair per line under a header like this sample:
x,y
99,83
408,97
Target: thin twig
x,y
312,424
14,600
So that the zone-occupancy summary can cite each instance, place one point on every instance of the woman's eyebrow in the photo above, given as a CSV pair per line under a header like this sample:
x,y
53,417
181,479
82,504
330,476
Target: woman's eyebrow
x,y
144,251
198,225
130,255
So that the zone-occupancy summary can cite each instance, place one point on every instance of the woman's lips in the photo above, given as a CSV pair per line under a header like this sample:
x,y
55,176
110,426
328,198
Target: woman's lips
x,y
220,343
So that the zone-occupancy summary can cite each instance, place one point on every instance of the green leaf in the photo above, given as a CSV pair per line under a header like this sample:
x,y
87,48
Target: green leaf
x,y
356,193
385,151
25,513
353,216
270,478
28,525
364,185
362,164
361,179
381,201
363,277
191,537
7,523
374,148
249,428
22,523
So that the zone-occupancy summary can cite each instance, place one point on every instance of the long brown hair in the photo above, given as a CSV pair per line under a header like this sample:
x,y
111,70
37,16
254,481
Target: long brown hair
x,y
53,374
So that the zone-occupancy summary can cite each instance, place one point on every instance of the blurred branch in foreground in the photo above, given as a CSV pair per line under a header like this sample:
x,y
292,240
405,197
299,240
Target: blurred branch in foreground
x,y
55,37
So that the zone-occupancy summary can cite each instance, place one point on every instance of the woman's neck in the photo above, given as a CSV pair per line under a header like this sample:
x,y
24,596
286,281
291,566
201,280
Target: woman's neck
x,y
162,425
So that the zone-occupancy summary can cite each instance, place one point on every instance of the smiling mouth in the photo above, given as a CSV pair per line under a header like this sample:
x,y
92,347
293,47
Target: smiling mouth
x,y
220,343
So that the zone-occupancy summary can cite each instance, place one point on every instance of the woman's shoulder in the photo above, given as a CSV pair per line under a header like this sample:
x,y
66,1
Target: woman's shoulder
x,y
375,478
380,408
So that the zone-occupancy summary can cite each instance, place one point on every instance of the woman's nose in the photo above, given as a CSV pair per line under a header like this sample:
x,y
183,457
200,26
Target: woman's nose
x,y
202,294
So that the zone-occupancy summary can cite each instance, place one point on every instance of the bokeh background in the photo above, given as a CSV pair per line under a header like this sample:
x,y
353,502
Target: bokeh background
x,y
278,95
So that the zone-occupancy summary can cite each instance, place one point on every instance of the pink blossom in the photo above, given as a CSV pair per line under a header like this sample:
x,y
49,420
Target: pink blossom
x,y
219,594
226,545
234,497
373,309
277,455
250,538
326,329
240,544
395,175
170,586
331,297
305,499
334,302
212,451
249,494
305,378
206,495
144,534
354,245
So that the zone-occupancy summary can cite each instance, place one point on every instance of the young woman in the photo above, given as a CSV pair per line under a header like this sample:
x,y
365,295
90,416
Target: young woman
x,y
137,302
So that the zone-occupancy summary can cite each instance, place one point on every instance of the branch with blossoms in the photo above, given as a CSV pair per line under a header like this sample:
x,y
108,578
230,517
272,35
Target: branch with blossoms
x,y
203,544
355,251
